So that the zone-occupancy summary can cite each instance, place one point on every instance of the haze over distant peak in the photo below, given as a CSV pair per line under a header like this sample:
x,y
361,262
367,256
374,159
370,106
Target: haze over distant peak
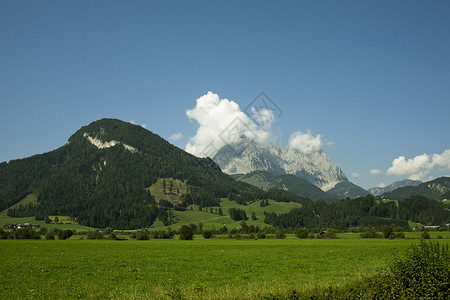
x,y
377,191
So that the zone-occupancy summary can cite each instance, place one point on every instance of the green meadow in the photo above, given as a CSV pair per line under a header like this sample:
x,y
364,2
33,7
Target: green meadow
x,y
174,269
212,220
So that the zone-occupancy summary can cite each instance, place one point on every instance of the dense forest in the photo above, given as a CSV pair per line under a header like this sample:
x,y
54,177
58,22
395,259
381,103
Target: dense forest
x,y
363,212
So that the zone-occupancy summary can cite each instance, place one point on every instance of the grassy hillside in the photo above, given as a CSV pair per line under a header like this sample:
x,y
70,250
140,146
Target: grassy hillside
x,y
175,189
210,220
29,199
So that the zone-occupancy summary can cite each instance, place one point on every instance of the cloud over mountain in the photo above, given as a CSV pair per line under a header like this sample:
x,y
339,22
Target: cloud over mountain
x,y
306,142
376,172
420,166
221,122
176,136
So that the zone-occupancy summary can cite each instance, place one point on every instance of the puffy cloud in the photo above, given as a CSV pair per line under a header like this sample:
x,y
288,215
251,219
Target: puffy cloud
x,y
306,142
176,136
222,122
376,172
381,185
420,166
355,175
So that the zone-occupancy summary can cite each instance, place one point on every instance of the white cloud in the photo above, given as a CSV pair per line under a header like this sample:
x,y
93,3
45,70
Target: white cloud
x,y
134,123
306,142
355,175
381,185
221,121
176,136
376,172
420,166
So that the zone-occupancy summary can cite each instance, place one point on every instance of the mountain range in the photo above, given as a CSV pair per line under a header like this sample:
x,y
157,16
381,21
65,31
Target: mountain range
x,y
247,156
116,174
378,191
437,189
288,182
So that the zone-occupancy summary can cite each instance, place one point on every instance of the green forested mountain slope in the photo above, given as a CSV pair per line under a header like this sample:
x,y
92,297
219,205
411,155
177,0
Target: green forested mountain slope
x,y
104,184
301,187
346,189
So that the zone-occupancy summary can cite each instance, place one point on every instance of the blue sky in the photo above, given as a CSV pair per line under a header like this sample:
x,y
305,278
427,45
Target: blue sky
x,y
372,78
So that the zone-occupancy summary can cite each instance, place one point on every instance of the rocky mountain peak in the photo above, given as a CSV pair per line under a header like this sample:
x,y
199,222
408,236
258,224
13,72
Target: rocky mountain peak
x,y
247,156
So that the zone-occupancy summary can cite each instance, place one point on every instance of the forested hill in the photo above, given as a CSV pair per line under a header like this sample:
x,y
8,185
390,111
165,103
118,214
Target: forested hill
x,y
101,175
437,189
266,180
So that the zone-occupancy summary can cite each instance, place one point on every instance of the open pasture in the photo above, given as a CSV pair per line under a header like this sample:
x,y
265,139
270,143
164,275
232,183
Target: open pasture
x,y
215,269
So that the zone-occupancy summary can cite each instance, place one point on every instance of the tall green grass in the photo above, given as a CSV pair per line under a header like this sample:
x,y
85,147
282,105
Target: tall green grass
x,y
158,269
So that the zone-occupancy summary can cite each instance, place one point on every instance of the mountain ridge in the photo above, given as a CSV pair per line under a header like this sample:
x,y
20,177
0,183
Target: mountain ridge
x,y
289,182
437,189
378,191
248,156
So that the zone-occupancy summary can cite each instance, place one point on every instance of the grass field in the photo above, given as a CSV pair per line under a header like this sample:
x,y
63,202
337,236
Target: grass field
x,y
158,269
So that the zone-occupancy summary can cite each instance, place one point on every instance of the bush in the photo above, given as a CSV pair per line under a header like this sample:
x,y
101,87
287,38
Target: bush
x,y
142,235
207,234
425,235
95,235
423,273
399,235
261,235
371,234
302,234
4,234
64,234
186,233
280,235
388,232
26,234
50,235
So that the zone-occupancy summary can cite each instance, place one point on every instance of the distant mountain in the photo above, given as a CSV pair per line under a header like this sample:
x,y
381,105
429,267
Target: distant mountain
x,y
247,156
346,189
102,175
377,191
288,182
435,189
